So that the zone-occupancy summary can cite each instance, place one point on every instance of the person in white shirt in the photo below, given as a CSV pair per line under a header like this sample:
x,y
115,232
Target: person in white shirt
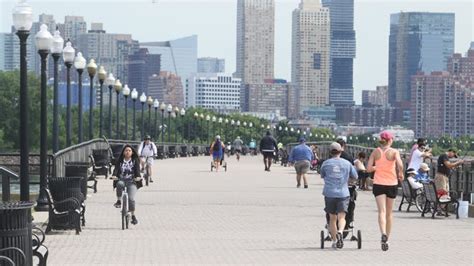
x,y
147,151
418,156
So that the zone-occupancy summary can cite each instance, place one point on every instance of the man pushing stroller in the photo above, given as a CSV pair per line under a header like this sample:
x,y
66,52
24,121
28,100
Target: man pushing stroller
x,y
336,172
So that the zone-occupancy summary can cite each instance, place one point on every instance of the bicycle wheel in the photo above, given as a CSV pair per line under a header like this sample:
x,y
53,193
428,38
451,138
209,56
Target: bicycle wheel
x,y
420,201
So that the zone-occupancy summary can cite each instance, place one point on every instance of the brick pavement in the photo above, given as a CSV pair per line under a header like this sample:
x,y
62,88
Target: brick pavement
x,y
190,215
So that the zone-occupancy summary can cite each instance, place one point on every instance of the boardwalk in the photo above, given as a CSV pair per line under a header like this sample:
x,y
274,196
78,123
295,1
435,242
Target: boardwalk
x,y
246,216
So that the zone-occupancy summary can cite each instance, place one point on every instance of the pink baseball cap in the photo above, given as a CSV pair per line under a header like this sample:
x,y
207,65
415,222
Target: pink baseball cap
x,y
386,135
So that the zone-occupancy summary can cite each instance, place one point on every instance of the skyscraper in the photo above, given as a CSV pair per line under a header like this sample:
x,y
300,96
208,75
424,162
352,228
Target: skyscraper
x,y
73,27
418,42
211,65
311,45
255,42
343,50
142,65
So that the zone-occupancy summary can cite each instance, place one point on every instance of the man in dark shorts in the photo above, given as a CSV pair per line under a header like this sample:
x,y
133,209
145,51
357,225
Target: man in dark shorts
x,y
268,145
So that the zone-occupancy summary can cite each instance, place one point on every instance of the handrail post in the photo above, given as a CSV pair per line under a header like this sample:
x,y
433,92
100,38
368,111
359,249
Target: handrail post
x,y
5,188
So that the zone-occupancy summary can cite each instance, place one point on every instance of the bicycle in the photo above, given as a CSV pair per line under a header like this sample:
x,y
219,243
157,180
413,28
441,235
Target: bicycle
x,y
146,175
125,215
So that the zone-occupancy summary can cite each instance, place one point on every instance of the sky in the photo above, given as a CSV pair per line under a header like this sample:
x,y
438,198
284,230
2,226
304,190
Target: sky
x,y
214,21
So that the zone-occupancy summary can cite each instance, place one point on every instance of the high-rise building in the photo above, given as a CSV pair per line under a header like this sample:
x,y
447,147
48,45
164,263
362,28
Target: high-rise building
x,y
271,96
343,51
167,88
217,91
376,97
210,65
418,42
73,27
177,56
142,65
443,102
311,45
369,116
255,42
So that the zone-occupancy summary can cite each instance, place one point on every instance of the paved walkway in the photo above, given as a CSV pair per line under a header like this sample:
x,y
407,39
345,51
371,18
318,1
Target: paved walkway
x,y
246,216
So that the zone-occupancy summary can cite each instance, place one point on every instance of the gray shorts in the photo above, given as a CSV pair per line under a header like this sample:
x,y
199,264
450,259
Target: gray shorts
x,y
336,205
302,167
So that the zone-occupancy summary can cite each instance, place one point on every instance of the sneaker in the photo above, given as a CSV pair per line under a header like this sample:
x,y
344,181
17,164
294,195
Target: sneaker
x,y
118,204
298,185
384,242
134,220
305,186
334,245
151,180
339,242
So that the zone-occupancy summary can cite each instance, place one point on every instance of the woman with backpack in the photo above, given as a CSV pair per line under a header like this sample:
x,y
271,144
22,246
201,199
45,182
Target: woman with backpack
x,y
216,151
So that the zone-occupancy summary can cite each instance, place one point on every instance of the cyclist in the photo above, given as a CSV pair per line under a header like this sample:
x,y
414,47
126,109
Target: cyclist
x,y
147,149
238,147
216,149
127,174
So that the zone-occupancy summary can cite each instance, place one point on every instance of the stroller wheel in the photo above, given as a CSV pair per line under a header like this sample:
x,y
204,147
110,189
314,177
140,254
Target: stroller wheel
x,y
359,239
322,239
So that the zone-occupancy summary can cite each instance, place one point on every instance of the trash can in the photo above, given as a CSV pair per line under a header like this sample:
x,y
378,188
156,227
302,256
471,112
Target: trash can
x,y
79,169
15,231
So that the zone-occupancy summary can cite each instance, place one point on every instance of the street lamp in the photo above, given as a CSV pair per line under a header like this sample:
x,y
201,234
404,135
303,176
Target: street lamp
x,y
79,64
56,51
134,97
226,123
102,77
110,84
118,88
91,69
156,105
44,42
201,129
149,101
143,101
126,93
196,121
169,109
232,128
183,113
208,118
22,19
220,120
214,119
176,115
162,108
68,56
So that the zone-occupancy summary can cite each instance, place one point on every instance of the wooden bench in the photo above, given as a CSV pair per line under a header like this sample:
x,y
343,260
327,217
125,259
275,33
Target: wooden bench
x,y
433,202
408,196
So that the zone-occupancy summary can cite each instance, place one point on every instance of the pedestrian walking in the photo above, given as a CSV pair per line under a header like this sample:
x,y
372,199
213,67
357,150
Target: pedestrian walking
x,y
268,145
301,156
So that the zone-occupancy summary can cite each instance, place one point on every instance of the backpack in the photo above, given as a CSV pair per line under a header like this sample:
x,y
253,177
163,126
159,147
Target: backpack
x,y
217,145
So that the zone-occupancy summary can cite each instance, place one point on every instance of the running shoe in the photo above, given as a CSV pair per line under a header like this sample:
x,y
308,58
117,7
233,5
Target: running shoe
x,y
384,242
118,204
340,241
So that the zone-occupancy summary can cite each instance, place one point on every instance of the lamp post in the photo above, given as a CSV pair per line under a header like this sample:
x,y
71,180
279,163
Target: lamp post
x,y
22,19
156,105
162,108
143,101
91,69
176,114
102,77
68,56
183,113
118,88
201,128
196,121
149,101
110,84
79,64
238,126
134,97
208,119
169,109
250,130
126,93
232,128
226,123
43,42
220,126
214,119
56,51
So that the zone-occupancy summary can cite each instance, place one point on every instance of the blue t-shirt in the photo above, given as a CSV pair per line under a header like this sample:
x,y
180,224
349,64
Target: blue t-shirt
x,y
336,173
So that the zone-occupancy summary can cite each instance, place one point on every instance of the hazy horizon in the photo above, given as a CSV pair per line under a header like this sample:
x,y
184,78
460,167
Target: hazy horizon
x,y
215,24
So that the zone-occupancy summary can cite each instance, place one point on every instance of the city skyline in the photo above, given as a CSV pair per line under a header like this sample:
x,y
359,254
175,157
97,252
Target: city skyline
x,y
201,17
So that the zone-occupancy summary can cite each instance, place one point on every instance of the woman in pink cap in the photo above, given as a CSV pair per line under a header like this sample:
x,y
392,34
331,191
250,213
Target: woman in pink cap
x,y
387,166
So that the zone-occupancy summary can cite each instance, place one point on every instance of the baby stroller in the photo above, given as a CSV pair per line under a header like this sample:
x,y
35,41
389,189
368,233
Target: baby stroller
x,y
349,228
222,162
284,157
